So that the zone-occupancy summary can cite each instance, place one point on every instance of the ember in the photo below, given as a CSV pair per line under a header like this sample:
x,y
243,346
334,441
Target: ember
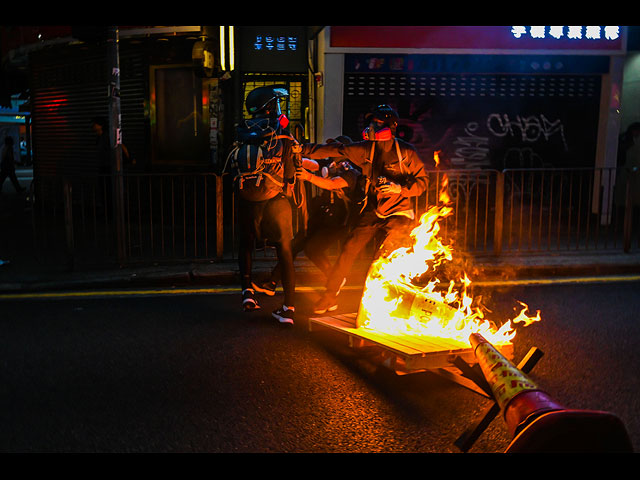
x,y
403,294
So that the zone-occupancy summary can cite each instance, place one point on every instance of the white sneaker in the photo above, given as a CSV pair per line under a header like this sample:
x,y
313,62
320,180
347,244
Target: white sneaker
x,y
249,303
284,315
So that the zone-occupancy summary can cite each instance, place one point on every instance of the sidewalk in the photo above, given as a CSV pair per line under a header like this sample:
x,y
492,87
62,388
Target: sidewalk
x,y
14,279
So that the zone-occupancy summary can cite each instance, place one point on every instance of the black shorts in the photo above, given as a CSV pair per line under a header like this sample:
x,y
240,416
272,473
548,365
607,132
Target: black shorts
x,y
269,220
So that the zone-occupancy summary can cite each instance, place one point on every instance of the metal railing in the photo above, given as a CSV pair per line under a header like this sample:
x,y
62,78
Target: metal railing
x,y
161,217
577,209
192,217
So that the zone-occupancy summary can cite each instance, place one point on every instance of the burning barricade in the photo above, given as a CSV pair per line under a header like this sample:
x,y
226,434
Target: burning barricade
x,y
404,294
404,298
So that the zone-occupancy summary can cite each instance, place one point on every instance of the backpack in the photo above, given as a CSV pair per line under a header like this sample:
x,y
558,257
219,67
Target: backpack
x,y
256,161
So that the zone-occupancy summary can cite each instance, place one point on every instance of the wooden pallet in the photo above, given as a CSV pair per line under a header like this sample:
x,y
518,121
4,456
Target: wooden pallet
x,y
406,353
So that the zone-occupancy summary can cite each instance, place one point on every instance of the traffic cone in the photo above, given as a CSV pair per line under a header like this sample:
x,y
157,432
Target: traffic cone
x,y
536,421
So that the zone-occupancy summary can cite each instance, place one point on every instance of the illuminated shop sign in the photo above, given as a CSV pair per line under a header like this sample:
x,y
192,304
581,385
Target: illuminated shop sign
x,y
569,39
280,43
569,32
273,49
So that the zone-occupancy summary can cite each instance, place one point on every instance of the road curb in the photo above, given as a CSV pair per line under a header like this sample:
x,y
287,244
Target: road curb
x,y
305,277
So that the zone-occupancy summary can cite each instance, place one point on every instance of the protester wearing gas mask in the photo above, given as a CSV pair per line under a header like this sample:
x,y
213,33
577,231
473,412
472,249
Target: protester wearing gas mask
x,y
264,169
394,173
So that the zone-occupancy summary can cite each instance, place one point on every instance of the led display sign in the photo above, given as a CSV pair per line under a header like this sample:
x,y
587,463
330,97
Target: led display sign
x,y
273,49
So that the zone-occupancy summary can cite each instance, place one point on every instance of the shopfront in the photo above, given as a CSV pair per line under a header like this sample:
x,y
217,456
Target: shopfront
x,y
480,97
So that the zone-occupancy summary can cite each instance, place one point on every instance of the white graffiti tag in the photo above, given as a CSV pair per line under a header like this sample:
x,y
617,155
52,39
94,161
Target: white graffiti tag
x,y
529,129
471,149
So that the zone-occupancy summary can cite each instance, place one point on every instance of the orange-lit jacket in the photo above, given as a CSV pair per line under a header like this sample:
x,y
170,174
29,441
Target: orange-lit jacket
x,y
400,165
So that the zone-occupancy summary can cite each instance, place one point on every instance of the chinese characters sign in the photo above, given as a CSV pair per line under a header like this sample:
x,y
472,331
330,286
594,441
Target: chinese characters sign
x,y
569,39
569,32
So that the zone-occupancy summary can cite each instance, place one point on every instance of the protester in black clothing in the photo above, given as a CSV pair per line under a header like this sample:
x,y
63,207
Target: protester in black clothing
x,y
331,213
626,141
394,173
8,166
100,127
263,204
627,171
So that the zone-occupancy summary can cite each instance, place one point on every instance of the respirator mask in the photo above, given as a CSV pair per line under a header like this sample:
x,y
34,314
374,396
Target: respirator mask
x,y
377,132
382,124
281,118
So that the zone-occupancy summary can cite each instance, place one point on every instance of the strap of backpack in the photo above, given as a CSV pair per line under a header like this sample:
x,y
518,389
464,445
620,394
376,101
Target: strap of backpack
x,y
399,153
367,170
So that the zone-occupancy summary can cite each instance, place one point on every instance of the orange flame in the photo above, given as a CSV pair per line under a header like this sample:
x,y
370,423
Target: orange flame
x,y
392,302
444,191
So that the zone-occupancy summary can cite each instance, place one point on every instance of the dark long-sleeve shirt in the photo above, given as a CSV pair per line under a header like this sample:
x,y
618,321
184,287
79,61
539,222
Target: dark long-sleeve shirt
x,y
406,171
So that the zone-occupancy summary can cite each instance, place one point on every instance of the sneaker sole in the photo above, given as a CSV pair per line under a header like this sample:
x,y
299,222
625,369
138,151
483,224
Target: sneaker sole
x,y
250,306
330,309
266,291
286,320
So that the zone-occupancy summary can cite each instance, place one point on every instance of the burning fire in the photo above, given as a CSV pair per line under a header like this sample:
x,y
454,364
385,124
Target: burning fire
x,y
393,303
436,157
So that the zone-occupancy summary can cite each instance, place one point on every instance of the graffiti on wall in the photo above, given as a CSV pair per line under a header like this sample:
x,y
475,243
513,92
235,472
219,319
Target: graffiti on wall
x,y
472,147
514,136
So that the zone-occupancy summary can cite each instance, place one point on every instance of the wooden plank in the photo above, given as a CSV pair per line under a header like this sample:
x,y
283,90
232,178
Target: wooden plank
x,y
428,343
406,357
392,342
346,327
413,353
407,343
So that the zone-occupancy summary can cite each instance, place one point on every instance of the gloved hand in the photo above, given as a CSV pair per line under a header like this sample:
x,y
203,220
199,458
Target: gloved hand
x,y
389,188
296,148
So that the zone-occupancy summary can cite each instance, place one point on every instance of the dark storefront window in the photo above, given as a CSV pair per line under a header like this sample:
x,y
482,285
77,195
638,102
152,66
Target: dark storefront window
x,y
179,116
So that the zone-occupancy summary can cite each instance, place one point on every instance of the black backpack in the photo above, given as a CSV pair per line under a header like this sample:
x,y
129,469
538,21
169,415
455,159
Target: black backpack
x,y
256,160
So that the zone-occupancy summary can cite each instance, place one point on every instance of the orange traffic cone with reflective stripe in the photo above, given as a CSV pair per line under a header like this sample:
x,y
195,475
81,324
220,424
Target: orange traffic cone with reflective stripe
x,y
536,421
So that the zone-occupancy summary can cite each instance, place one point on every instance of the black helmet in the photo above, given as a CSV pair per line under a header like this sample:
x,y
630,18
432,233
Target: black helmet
x,y
259,99
384,114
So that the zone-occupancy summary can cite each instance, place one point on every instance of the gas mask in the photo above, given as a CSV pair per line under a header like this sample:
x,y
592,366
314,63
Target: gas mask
x,y
283,121
377,132
281,118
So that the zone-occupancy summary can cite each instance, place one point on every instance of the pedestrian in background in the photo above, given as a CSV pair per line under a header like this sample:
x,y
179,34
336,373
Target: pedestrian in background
x,y
627,167
8,166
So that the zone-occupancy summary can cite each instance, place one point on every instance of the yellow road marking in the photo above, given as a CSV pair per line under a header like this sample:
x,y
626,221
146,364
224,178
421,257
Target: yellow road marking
x,y
116,293
235,289
556,281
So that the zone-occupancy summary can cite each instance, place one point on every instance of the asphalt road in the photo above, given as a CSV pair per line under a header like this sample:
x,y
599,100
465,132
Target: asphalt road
x,y
190,373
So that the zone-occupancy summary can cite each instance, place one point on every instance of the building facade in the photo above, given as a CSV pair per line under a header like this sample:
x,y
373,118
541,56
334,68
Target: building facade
x,y
481,96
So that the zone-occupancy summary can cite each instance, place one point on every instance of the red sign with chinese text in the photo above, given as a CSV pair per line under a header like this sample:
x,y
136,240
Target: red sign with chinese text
x,y
479,37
